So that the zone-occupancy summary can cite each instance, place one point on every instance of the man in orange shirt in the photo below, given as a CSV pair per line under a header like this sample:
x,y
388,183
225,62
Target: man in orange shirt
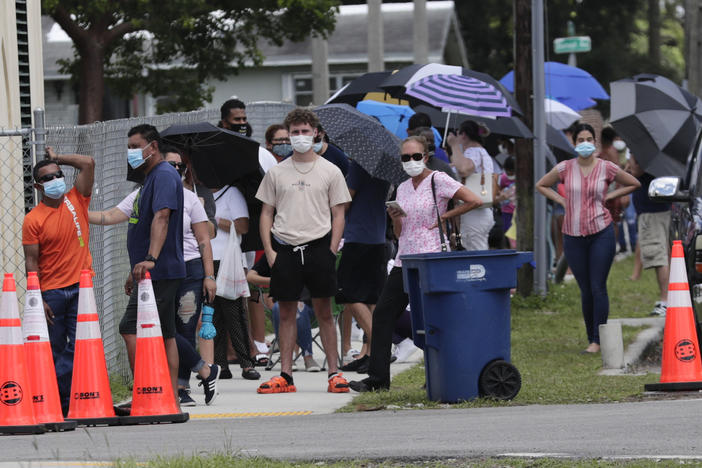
x,y
55,237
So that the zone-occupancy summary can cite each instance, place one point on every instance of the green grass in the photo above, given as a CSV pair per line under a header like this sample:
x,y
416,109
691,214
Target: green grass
x,y
223,460
547,337
121,388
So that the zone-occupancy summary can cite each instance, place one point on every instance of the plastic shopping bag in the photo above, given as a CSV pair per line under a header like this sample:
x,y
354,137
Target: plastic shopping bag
x,y
231,278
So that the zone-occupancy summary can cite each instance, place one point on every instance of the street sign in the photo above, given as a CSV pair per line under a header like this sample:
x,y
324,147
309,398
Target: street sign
x,y
570,45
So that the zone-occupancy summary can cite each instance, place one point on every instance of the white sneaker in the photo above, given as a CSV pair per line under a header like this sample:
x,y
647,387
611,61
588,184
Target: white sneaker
x,y
660,309
261,347
356,332
311,365
405,349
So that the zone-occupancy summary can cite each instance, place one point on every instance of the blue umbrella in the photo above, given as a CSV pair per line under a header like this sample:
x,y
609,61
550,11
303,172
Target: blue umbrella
x,y
393,117
571,86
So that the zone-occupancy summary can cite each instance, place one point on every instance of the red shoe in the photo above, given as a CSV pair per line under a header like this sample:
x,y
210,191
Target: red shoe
x,y
338,384
277,384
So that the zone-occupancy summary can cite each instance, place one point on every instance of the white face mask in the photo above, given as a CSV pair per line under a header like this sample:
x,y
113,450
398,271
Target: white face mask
x,y
302,143
413,168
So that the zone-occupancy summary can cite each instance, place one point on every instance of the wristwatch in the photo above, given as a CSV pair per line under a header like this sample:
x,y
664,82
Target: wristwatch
x,y
150,258
211,277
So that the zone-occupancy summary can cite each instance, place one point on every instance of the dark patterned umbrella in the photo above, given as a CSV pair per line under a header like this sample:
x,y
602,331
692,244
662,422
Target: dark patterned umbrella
x,y
364,139
658,120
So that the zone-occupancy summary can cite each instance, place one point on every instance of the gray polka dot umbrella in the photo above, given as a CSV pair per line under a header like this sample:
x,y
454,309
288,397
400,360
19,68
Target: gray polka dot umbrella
x,y
364,139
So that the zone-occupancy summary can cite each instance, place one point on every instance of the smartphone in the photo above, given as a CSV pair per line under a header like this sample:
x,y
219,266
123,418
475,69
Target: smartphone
x,y
396,206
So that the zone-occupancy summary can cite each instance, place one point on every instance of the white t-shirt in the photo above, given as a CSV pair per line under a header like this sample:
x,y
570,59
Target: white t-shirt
x,y
193,212
231,205
481,159
265,159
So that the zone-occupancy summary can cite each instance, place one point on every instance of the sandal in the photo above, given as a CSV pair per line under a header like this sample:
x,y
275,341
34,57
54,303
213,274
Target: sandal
x,y
277,384
261,360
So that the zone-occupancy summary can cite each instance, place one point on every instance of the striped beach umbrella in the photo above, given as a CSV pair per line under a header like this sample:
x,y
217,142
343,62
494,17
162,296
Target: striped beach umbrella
x,y
459,93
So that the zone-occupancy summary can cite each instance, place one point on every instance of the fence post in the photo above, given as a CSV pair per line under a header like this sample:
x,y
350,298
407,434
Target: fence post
x,y
39,135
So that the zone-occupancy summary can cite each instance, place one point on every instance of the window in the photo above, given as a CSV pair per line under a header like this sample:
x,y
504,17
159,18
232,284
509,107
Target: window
x,y
303,86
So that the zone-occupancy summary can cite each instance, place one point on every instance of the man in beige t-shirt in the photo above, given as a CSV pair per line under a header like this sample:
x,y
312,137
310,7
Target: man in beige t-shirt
x,y
302,222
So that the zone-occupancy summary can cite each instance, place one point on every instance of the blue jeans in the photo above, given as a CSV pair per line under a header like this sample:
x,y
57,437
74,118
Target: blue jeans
x,y
189,307
62,334
590,258
304,331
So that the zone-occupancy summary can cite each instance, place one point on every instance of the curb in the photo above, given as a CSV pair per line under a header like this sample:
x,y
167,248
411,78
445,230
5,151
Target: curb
x,y
635,350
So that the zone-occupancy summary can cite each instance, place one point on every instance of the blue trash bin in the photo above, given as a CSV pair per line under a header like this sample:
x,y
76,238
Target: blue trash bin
x,y
460,308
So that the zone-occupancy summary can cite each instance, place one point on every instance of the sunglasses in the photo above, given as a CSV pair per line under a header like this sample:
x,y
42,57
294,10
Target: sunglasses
x,y
415,156
48,177
177,165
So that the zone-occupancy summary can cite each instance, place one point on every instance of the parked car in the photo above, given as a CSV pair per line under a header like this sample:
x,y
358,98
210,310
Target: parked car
x,y
686,217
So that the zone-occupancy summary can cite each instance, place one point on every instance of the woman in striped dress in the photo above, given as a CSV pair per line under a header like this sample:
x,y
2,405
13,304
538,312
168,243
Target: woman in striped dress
x,y
588,234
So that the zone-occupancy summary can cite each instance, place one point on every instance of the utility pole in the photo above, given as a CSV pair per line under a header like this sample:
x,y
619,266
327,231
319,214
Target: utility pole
x,y
421,32
524,149
692,46
540,244
375,36
320,70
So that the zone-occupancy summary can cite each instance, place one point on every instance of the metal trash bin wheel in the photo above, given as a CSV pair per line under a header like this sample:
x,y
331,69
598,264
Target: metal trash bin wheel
x,y
499,380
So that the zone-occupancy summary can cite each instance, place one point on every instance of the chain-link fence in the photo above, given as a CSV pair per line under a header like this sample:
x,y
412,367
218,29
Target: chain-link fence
x,y
106,142
15,149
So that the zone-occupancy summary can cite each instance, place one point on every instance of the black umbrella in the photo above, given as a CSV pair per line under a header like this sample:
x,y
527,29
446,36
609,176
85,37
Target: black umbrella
x,y
356,90
397,83
658,120
503,126
219,157
364,139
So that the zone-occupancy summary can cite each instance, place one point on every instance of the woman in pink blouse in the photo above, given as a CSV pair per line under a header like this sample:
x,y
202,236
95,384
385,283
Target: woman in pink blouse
x,y
588,235
416,228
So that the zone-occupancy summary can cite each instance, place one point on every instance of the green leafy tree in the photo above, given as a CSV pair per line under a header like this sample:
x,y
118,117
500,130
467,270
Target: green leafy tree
x,y
174,48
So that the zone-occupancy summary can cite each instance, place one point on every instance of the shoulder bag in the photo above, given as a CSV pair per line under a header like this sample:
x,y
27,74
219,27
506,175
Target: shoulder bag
x,y
481,184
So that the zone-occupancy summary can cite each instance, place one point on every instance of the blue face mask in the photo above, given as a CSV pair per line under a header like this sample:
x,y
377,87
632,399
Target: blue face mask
x,y
135,156
55,188
585,149
317,147
282,149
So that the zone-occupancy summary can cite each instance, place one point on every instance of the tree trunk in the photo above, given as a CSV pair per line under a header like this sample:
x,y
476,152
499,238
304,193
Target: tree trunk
x,y
92,81
524,149
654,31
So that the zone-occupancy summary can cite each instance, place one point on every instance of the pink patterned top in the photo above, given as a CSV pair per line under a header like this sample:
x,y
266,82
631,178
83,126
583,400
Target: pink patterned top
x,y
585,212
416,237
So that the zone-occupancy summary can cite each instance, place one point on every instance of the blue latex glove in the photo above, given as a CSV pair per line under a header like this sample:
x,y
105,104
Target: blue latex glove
x,y
207,330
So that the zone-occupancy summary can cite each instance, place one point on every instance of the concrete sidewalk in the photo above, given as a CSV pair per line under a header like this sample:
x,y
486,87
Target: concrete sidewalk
x,y
238,398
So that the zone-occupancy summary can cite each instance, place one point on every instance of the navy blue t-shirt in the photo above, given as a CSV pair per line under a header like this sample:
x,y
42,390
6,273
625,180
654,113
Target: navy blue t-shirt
x,y
642,203
365,220
337,157
162,189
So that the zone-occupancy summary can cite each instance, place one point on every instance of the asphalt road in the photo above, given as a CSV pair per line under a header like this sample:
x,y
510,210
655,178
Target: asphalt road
x,y
647,429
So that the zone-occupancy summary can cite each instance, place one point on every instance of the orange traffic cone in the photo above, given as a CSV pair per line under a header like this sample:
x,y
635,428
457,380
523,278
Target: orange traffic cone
x,y
16,411
91,398
152,397
42,379
681,367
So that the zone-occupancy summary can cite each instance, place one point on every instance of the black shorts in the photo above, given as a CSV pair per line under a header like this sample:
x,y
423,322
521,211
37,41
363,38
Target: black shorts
x,y
311,265
362,273
166,295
